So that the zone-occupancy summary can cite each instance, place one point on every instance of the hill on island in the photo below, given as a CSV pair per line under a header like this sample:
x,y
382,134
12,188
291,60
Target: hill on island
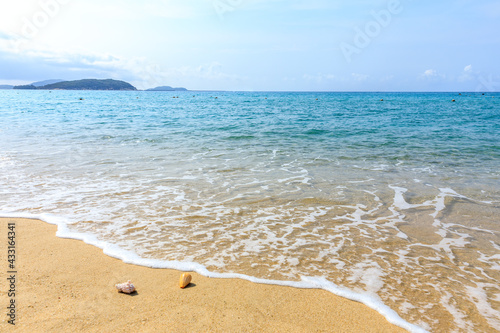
x,y
46,82
86,84
90,84
166,88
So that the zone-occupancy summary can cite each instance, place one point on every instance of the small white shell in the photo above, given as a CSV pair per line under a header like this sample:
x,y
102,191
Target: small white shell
x,y
126,287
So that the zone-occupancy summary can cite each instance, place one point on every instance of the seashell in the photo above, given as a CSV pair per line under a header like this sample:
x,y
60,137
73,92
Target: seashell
x,y
185,280
125,287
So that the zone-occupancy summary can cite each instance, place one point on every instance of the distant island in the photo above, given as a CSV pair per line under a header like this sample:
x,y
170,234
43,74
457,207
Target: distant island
x,y
86,84
46,82
166,88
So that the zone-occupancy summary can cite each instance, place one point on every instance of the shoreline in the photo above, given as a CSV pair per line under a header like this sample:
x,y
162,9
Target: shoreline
x,y
65,284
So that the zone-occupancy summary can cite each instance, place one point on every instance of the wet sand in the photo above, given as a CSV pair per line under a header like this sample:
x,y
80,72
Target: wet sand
x,y
65,285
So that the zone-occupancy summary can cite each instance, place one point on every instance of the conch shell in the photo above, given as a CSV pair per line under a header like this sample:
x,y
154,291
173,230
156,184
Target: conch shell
x,y
126,287
185,280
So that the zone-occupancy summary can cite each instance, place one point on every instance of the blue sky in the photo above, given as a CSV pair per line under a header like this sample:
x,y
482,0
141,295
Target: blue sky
x,y
293,45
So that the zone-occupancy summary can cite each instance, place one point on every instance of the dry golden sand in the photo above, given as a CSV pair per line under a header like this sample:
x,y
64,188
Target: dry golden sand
x,y
68,286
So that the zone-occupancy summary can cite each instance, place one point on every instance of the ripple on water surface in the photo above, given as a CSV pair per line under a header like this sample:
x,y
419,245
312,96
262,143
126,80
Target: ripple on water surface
x,y
398,199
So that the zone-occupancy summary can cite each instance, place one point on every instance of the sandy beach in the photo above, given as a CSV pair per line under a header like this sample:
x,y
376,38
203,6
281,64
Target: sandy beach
x,y
65,285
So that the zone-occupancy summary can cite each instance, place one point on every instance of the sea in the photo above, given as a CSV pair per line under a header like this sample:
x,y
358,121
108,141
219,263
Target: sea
x,y
389,199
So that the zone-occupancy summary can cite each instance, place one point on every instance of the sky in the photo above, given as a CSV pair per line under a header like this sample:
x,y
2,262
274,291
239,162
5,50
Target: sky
x,y
256,45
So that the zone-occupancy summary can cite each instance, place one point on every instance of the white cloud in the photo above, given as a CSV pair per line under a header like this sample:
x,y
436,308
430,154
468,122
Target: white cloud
x,y
432,74
151,75
23,53
319,78
24,48
468,74
138,71
359,77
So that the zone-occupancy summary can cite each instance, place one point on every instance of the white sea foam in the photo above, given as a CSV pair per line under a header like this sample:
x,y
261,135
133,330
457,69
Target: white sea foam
x,y
132,258
170,183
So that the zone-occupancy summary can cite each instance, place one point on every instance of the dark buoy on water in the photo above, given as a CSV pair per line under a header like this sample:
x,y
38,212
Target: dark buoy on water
x,y
453,100
81,99
382,100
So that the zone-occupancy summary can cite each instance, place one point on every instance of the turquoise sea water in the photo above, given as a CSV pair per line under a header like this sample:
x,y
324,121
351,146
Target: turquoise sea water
x,y
397,199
